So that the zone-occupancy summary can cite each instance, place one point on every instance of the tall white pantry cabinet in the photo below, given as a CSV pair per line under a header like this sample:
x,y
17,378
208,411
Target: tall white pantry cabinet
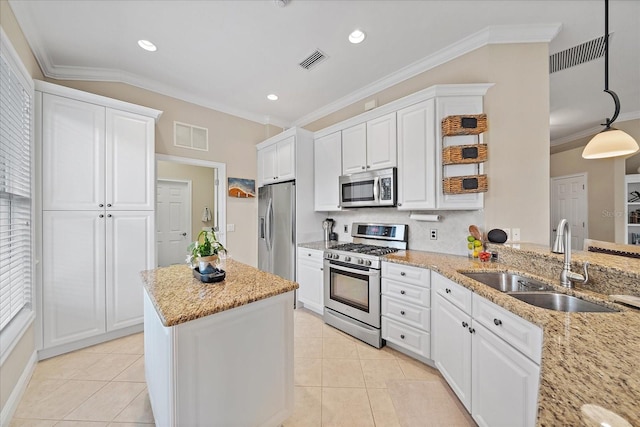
x,y
97,160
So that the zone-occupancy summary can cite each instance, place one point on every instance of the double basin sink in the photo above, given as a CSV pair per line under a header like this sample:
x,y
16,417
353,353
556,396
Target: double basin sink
x,y
535,292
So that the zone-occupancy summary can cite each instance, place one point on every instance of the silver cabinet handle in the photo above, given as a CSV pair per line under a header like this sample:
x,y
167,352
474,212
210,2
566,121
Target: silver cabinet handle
x,y
402,292
184,234
101,205
100,216
402,336
109,216
402,312
497,322
108,205
402,273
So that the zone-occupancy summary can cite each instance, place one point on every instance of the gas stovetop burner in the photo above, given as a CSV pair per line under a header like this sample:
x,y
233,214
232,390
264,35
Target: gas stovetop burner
x,y
365,249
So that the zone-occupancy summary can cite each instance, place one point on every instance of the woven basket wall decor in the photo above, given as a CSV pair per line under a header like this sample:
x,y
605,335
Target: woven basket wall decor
x,y
470,124
465,184
464,154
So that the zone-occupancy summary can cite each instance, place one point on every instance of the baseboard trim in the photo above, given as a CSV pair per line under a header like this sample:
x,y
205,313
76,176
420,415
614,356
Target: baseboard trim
x,y
18,391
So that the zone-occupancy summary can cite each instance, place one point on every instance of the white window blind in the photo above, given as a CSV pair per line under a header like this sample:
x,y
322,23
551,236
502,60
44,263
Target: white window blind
x,y
15,191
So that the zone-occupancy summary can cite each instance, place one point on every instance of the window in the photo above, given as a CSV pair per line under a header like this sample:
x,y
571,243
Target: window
x,y
16,107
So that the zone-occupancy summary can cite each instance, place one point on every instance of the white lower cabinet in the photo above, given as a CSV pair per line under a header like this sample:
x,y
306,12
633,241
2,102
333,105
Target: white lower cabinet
x,y
310,278
489,356
406,311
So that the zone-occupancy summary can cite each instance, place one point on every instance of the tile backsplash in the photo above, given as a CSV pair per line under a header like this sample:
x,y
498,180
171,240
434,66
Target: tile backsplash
x,y
453,228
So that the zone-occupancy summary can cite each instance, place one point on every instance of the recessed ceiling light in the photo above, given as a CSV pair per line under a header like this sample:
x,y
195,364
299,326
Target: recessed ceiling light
x,y
272,97
357,36
147,45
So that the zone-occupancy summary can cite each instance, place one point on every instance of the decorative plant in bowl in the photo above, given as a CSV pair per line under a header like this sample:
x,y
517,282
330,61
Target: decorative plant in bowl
x,y
205,251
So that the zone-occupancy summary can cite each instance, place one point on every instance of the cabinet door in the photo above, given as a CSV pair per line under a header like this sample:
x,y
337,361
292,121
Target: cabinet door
x,y
354,149
267,159
73,152
286,159
505,383
130,250
448,106
452,347
416,157
327,161
130,161
73,270
310,279
381,142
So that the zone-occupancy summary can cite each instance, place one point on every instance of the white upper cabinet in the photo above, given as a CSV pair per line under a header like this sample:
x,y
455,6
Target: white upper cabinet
x,y
95,157
370,145
416,157
327,170
277,162
354,149
130,162
381,142
73,150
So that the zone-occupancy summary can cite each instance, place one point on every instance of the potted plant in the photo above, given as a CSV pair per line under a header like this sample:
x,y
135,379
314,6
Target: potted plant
x,y
205,251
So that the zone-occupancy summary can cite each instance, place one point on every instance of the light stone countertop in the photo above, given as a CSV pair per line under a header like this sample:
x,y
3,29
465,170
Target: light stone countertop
x,y
179,297
321,245
587,358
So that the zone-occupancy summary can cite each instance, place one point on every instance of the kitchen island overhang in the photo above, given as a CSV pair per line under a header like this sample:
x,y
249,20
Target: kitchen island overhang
x,y
219,354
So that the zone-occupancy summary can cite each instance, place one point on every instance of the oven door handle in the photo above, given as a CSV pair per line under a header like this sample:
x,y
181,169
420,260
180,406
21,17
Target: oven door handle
x,y
376,189
354,270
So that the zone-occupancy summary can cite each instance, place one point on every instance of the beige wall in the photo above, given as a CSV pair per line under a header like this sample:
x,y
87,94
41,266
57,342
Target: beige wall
x,y
16,362
518,135
606,192
201,190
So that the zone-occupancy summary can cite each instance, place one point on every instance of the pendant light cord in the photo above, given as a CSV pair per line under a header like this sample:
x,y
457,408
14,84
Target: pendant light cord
x,y
616,100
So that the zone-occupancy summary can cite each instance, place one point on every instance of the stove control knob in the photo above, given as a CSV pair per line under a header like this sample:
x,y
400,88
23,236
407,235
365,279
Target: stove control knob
x,y
336,256
360,261
367,263
347,258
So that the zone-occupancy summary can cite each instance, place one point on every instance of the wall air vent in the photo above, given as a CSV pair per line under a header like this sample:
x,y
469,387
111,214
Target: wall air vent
x,y
312,60
584,52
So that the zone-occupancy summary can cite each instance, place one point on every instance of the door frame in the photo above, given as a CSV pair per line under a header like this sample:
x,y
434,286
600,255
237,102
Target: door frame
x,y
189,205
220,198
585,180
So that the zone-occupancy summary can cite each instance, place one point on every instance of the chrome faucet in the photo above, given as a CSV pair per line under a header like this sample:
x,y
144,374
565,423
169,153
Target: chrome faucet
x,y
562,245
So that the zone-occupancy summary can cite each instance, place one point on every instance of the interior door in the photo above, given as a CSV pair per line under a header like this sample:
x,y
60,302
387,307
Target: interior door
x,y
569,200
173,210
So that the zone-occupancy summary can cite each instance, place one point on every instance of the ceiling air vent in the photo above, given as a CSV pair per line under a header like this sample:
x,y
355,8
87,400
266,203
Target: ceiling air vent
x,y
312,60
577,55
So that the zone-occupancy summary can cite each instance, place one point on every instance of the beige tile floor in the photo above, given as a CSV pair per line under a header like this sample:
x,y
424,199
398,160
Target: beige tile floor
x,y
339,381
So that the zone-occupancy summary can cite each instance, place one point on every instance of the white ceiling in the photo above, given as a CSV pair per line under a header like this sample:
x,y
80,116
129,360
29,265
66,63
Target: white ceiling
x,y
229,55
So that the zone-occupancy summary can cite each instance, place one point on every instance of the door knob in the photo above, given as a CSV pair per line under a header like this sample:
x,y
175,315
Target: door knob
x,y
184,234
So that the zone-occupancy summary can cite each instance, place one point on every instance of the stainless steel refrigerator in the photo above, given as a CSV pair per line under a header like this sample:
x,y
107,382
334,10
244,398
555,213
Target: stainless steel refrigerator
x,y
277,229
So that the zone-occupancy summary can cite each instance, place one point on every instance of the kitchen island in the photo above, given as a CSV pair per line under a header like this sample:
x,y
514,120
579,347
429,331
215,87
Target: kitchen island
x,y
219,353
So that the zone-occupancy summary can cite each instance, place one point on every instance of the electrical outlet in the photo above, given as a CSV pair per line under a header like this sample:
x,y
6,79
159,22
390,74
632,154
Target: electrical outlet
x,y
515,234
508,232
434,234
346,228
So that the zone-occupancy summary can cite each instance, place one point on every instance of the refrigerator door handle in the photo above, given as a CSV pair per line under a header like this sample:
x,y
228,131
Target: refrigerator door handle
x,y
269,224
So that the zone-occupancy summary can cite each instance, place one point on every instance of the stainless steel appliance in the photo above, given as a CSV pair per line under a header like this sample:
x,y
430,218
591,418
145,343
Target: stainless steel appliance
x,y
276,229
369,189
352,279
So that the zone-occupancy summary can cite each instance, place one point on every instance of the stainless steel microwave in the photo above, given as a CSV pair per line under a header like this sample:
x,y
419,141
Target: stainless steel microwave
x,y
369,189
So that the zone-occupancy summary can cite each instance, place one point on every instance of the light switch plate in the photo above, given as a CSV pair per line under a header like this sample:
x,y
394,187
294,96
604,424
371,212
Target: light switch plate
x,y
515,234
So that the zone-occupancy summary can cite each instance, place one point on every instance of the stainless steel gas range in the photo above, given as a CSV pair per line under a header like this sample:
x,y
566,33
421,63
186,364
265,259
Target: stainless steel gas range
x,y
352,279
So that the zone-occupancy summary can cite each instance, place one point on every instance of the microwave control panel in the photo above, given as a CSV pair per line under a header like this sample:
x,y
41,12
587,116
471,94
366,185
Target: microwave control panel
x,y
386,192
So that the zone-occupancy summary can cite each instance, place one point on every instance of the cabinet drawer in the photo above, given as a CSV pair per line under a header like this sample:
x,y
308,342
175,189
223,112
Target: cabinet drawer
x,y
310,254
458,295
405,336
406,273
413,315
406,292
521,334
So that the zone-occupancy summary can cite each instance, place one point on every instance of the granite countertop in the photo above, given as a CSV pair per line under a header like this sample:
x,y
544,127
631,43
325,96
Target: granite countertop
x,y
321,245
587,358
179,297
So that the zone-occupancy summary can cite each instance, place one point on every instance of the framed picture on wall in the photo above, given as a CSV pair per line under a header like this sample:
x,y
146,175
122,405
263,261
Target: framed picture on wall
x,y
242,188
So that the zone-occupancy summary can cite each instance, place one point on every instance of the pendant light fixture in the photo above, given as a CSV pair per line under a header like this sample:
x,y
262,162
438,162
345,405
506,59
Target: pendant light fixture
x,y
610,142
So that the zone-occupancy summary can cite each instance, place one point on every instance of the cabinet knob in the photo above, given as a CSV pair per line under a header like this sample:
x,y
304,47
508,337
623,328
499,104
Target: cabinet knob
x,y
308,254
402,336
109,216
100,216
368,166
402,292
101,205
338,205
402,273
108,205
402,312
471,330
447,290
465,324
362,167
497,322
399,204
184,234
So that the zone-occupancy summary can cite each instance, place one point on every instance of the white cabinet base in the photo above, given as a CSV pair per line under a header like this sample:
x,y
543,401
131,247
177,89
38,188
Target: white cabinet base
x,y
233,368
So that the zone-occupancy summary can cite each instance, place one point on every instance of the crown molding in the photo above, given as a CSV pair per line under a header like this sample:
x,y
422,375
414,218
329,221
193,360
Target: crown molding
x,y
496,34
624,117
